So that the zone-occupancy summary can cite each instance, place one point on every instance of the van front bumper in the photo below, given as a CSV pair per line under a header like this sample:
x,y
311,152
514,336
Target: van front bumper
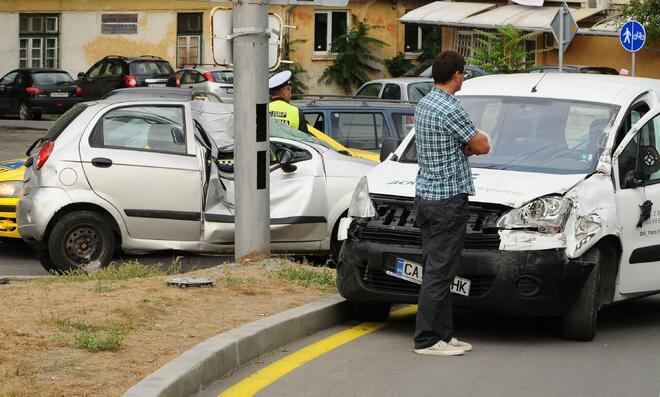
x,y
515,283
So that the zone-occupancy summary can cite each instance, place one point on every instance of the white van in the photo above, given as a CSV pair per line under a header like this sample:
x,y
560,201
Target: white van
x,y
566,216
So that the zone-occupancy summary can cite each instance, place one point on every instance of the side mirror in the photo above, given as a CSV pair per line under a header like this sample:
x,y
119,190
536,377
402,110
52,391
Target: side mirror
x,y
389,146
178,137
631,180
81,76
649,160
285,158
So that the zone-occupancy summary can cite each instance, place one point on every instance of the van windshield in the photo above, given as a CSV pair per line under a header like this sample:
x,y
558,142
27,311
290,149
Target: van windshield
x,y
537,135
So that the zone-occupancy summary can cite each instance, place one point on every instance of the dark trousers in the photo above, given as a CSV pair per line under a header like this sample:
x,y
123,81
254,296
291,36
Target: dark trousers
x,y
443,224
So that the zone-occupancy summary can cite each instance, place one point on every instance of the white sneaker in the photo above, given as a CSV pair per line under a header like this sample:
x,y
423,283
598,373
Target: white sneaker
x,y
441,348
460,344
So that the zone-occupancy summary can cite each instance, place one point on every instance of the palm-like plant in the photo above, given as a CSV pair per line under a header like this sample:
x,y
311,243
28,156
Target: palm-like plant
x,y
354,59
504,51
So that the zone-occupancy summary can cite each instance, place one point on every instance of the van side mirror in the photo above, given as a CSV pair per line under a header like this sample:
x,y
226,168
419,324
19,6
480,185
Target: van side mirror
x,y
285,158
81,75
631,180
389,146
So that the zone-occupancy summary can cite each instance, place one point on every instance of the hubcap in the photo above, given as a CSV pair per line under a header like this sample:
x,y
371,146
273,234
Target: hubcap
x,y
23,111
83,245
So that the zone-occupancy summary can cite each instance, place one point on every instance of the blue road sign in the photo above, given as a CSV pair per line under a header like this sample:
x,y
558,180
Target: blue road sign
x,y
632,36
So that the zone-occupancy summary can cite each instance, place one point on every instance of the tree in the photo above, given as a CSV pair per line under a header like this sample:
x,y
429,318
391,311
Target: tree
x,y
354,50
646,12
398,65
432,43
297,86
504,51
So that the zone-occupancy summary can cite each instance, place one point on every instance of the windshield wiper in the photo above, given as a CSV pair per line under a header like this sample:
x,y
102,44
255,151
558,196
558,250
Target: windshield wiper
x,y
28,152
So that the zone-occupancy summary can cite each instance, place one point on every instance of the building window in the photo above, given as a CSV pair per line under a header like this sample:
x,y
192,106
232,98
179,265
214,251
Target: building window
x,y
414,36
189,38
328,26
119,24
38,40
466,42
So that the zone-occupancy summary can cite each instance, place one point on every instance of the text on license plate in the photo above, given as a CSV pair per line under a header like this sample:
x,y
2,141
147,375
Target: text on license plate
x,y
411,271
159,85
59,94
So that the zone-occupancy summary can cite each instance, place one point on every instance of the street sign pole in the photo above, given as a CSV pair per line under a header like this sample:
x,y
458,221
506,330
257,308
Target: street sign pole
x,y
251,152
563,28
632,36
561,40
633,64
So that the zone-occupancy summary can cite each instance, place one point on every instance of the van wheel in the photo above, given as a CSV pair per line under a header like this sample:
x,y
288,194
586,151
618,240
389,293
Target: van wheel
x,y
579,322
371,311
81,240
24,112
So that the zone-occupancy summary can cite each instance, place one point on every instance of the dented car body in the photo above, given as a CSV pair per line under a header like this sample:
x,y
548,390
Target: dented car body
x,y
566,216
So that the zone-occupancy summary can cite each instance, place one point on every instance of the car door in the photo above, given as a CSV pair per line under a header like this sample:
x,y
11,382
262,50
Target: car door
x,y
371,90
7,84
112,76
89,82
141,159
637,193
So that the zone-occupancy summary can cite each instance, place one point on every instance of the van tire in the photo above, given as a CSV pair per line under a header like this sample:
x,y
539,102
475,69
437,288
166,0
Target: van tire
x,y
371,311
579,322
81,240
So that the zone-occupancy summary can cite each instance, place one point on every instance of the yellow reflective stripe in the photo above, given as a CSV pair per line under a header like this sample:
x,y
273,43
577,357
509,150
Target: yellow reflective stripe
x,y
259,380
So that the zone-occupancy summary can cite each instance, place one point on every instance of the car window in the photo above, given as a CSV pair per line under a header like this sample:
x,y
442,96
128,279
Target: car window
x,y
51,78
278,129
63,121
9,78
198,77
392,91
316,120
224,76
150,68
145,128
634,156
186,78
96,69
417,91
372,90
636,112
403,123
359,130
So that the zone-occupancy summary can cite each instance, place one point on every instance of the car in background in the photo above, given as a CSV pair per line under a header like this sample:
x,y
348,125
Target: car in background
x,y
573,69
30,92
362,124
11,186
145,175
180,94
219,81
410,89
425,69
113,72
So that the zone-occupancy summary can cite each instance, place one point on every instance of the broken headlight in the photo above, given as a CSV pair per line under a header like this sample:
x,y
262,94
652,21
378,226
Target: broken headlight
x,y
545,215
11,189
361,204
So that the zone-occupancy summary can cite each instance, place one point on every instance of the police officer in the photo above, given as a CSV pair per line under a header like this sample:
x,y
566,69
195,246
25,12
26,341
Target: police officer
x,y
279,107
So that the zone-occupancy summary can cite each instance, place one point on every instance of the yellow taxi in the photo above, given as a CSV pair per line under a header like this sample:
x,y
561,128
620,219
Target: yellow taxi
x,y
365,154
11,185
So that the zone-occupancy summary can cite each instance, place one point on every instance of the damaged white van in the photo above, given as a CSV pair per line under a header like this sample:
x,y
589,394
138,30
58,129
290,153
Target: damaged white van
x,y
566,216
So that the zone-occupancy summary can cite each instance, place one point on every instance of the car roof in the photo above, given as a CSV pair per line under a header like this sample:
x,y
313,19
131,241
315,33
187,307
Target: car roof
x,y
40,70
618,90
207,69
353,103
175,94
404,80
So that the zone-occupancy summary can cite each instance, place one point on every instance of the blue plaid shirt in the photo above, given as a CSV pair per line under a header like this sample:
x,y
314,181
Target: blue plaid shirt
x,y
442,128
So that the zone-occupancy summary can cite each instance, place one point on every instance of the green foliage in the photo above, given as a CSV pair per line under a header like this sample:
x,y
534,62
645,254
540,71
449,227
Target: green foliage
x,y
432,44
355,57
297,86
398,65
124,271
322,279
93,337
103,288
646,12
504,51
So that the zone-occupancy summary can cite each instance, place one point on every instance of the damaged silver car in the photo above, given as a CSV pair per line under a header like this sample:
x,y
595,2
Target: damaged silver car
x,y
148,175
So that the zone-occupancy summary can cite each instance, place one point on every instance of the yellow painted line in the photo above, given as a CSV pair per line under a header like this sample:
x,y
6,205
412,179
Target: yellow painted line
x,y
256,382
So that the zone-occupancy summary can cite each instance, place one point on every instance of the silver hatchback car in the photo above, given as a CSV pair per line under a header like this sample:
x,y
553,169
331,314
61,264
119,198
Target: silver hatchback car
x,y
141,176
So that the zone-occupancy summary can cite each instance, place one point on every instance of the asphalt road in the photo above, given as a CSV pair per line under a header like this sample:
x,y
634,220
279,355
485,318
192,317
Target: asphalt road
x,y
511,358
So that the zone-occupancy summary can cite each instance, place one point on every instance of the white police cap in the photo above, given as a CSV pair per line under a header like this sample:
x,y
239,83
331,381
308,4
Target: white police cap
x,y
279,80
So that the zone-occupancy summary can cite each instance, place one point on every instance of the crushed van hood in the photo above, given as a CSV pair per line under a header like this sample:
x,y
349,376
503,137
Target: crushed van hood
x,y
510,188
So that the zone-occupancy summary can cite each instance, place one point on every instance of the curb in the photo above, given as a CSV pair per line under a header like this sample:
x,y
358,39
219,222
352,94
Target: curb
x,y
212,359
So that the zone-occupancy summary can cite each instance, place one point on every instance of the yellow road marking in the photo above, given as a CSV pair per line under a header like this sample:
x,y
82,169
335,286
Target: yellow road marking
x,y
256,382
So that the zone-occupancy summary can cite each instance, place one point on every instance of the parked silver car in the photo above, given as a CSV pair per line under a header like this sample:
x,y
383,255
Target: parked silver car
x,y
219,81
148,175
410,89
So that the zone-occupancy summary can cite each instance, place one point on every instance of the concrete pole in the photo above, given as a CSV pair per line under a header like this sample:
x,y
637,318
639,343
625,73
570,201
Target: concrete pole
x,y
561,39
251,155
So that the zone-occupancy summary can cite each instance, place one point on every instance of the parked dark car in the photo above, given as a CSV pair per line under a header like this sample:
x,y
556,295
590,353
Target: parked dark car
x,y
32,92
113,72
163,93
573,69
359,124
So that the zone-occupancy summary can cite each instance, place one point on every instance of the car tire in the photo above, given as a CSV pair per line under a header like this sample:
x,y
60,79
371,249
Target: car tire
x,y
371,311
46,261
24,112
81,240
335,244
579,322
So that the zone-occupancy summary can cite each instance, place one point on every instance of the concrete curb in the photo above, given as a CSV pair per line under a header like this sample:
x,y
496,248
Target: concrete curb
x,y
210,360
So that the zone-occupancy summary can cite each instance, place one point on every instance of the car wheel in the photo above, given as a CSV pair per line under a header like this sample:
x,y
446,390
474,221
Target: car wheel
x,y
46,261
371,311
24,112
81,240
579,322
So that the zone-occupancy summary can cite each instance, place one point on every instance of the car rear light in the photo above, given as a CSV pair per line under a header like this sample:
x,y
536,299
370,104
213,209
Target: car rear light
x,y
78,91
178,82
208,76
44,153
34,91
130,81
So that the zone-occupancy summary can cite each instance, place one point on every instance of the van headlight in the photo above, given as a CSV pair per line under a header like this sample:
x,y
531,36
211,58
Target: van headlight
x,y
545,215
11,189
361,204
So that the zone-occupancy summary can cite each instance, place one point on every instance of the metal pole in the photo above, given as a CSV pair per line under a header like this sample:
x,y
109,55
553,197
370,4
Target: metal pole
x,y
633,64
561,39
251,153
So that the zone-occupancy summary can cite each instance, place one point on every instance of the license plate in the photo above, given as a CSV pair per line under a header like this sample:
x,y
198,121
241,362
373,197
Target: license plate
x,y
412,272
59,94
158,85
230,90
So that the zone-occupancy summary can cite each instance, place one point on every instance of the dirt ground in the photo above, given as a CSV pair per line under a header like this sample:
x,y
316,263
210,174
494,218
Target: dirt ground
x,y
43,324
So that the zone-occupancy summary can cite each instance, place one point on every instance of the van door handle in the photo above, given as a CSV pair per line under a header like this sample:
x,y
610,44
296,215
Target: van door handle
x,y
101,162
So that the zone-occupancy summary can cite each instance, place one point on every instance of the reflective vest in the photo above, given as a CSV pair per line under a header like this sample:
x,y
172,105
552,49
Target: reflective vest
x,y
285,112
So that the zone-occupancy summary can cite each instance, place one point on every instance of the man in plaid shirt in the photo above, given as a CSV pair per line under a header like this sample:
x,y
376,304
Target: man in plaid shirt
x,y
445,137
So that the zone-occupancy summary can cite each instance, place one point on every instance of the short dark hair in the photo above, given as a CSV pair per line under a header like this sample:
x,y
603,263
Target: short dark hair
x,y
445,65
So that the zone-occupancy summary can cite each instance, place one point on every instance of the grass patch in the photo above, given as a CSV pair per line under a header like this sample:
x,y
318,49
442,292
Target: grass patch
x,y
103,288
124,271
94,337
322,279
